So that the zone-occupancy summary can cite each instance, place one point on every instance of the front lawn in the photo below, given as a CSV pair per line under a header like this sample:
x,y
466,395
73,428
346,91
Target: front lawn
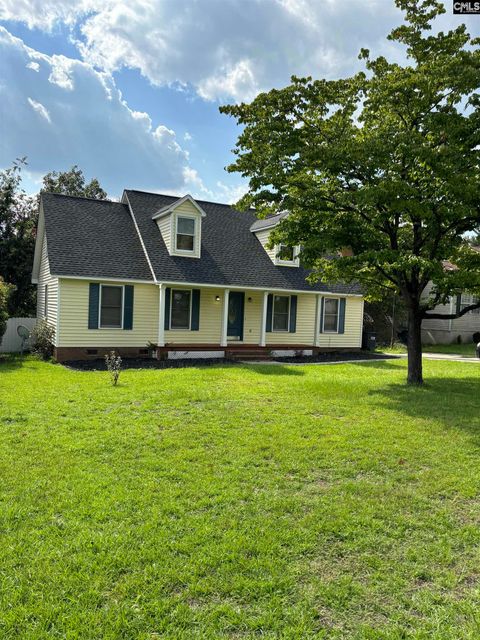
x,y
467,350
259,501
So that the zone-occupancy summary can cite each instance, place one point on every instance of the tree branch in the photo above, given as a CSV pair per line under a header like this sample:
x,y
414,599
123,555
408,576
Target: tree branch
x,y
450,316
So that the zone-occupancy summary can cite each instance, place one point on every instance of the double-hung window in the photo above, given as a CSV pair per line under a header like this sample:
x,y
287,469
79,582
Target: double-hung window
x,y
466,300
180,314
111,306
281,313
330,315
185,234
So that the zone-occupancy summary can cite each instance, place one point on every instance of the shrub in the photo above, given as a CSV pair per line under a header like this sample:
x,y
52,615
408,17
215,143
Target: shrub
x,y
5,291
42,339
114,365
476,337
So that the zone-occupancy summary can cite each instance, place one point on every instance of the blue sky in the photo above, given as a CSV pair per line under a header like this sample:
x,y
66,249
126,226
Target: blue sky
x,y
130,91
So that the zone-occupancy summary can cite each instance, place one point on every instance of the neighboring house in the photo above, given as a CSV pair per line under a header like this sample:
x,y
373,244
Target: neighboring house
x,y
448,331
194,278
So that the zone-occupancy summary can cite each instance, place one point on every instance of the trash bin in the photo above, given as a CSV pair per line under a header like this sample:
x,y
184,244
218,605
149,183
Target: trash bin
x,y
369,340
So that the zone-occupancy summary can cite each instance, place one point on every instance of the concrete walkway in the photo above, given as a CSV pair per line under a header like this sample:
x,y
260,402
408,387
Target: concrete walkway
x,y
428,356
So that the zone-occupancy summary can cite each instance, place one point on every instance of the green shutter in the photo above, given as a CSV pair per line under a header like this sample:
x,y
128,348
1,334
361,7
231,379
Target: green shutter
x,y
293,314
268,326
93,301
128,307
168,292
459,303
322,306
195,310
341,317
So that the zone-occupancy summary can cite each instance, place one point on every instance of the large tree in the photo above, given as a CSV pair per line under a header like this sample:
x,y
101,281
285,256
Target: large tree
x,y
385,162
73,183
17,240
18,221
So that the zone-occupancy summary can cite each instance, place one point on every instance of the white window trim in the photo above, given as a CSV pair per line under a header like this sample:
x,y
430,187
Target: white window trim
x,y
287,330
287,263
189,328
119,286
323,315
194,253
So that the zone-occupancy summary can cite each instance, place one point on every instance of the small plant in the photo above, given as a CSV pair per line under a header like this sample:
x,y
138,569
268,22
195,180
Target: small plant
x,y
114,366
43,335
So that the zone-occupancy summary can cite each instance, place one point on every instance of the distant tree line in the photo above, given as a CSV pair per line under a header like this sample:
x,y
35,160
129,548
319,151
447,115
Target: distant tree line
x,y
18,222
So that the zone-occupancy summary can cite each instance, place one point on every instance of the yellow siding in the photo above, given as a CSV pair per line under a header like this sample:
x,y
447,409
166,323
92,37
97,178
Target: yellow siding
x,y
263,237
353,327
187,208
44,278
165,226
74,331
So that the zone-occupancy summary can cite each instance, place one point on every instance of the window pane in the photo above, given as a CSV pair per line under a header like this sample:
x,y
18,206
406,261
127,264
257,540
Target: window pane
x,y
184,243
280,313
112,296
186,225
330,323
180,310
285,253
111,311
331,306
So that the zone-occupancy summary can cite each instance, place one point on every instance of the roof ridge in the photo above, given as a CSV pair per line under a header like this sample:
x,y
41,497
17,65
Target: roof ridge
x,y
67,195
168,195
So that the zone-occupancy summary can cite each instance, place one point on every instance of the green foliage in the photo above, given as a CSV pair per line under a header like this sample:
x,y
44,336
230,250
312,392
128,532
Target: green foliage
x,y
18,221
198,504
6,291
17,240
42,337
72,183
385,162
114,366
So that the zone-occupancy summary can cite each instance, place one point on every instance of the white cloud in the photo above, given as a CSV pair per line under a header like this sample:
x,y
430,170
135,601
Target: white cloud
x,y
40,109
34,66
67,113
224,49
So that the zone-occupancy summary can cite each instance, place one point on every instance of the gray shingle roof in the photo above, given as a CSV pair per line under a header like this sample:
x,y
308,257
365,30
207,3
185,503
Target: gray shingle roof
x,y
98,239
266,223
92,238
231,254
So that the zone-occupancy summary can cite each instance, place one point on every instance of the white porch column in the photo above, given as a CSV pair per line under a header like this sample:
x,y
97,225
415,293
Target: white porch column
x,y
318,310
263,326
226,296
161,316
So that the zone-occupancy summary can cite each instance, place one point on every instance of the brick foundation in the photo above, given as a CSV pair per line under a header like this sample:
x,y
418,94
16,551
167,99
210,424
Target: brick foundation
x,y
63,354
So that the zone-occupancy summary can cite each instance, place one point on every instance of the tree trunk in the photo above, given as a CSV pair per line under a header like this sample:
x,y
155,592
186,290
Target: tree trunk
x,y
414,347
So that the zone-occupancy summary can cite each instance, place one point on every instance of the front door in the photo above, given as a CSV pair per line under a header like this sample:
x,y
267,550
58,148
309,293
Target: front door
x,y
236,304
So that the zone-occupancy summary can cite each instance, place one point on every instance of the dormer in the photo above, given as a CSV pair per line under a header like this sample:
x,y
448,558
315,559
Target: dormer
x,y
280,254
180,224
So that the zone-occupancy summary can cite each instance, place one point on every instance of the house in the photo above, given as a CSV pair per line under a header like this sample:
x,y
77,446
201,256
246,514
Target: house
x,y
436,331
193,278
457,330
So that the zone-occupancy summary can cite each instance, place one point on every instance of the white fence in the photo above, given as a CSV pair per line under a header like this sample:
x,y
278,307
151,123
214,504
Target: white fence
x,y
11,341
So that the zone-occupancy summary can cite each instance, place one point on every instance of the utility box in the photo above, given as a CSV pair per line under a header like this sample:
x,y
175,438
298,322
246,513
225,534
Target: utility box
x,y
369,341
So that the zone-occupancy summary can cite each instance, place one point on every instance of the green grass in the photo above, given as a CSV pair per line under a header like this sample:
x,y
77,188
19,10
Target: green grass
x,y
240,502
460,349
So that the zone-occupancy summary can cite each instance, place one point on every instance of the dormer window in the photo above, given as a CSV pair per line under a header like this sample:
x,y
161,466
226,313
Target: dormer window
x,y
286,255
180,224
185,233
